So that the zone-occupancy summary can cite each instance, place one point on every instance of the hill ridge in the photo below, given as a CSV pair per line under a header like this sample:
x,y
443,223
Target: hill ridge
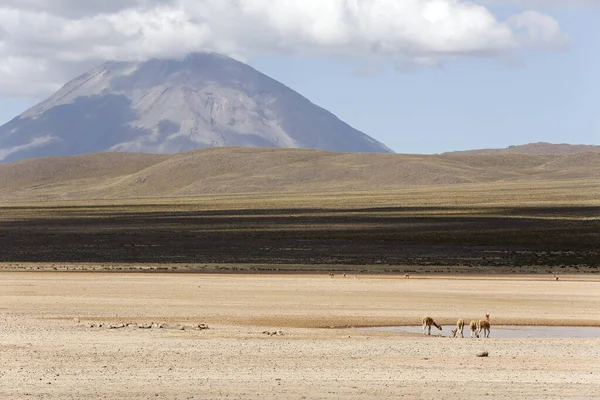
x,y
259,170
538,148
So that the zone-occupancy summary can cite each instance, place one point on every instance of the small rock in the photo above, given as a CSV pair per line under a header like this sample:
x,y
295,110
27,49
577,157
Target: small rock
x,y
272,333
482,354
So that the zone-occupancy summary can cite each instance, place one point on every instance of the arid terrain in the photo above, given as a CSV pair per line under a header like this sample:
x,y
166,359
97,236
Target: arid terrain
x,y
471,228
112,266
88,335
281,171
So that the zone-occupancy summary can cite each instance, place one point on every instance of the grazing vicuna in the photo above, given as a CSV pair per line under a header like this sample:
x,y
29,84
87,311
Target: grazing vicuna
x,y
484,324
460,326
427,322
473,326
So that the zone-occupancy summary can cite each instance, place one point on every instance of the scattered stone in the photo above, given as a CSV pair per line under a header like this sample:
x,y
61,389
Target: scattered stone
x,y
273,333
482,354
153,325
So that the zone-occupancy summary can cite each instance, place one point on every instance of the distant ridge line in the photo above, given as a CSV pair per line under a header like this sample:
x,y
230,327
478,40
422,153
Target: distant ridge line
x,y
539,148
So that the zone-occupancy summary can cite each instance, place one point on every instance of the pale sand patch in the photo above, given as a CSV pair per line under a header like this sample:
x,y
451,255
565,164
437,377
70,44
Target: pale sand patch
x,y
45,354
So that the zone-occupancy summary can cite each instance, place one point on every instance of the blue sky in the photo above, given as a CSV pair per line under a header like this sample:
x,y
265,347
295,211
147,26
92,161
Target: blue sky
x,y
470,102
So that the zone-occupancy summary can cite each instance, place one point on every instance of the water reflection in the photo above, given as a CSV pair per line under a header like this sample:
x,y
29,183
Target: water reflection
x,y
508,331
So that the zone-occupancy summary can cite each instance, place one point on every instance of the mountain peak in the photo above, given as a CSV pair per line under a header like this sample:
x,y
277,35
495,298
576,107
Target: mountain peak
x,y
173,105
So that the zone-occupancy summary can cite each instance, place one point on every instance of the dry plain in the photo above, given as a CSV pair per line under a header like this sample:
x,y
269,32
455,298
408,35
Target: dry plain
x,y
48,348
477,234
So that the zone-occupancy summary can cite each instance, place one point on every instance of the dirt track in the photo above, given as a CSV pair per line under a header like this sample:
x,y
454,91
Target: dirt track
x,y
49,350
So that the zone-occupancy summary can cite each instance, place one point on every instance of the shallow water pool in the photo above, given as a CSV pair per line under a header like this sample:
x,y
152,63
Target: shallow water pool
x,y
507,331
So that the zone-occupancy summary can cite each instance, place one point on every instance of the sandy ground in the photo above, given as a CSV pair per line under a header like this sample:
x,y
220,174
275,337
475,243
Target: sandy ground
x,y
48,348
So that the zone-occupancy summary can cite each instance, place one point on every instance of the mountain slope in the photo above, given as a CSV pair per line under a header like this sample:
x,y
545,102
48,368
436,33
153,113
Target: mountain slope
x,y
246,170
169,106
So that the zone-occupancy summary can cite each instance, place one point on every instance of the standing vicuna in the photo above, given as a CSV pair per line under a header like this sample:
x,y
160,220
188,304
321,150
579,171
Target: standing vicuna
x,y
427,322
484,324
460,326
473,326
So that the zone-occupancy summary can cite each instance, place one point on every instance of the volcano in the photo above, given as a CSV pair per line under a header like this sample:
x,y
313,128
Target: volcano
x,y
170,106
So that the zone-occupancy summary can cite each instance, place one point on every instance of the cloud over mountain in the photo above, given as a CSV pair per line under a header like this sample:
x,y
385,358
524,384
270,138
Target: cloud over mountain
x,y
45,41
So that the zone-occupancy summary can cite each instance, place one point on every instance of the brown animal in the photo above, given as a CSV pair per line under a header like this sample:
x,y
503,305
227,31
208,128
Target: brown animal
x,y
460,326
484,324
473,326
427,322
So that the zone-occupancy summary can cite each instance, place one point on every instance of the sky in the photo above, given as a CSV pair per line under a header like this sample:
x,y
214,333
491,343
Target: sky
x,y
421,76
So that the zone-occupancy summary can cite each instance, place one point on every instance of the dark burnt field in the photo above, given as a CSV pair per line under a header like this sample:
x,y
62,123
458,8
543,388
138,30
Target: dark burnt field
x,y
567,237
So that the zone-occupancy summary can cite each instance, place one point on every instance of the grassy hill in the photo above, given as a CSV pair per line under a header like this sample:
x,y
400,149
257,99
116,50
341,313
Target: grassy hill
x,y
271,171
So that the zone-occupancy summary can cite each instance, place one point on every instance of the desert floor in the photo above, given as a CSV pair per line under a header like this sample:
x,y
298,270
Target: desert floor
x,y
289,336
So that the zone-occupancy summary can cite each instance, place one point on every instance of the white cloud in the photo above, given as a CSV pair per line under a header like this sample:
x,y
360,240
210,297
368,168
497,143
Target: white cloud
x,y
45,42
536,28
36,142
542,3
